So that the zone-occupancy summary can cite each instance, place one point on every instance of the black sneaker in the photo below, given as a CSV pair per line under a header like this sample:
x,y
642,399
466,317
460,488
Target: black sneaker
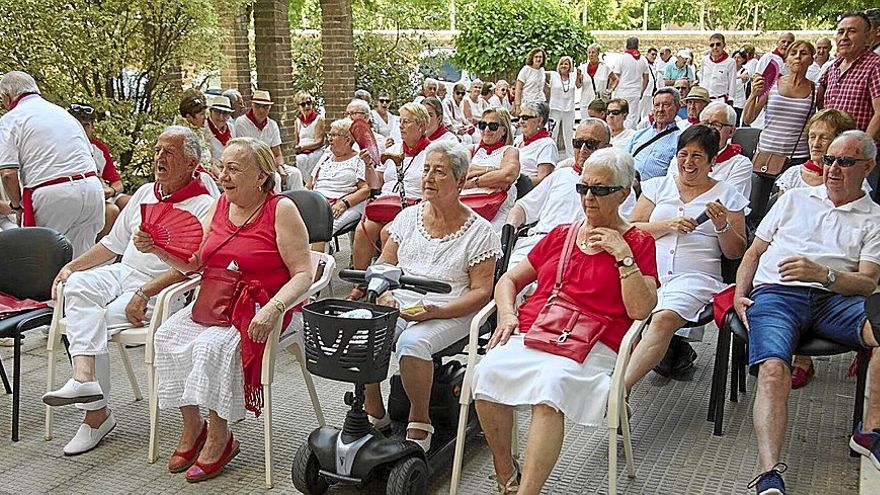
x,y
770,482
685,355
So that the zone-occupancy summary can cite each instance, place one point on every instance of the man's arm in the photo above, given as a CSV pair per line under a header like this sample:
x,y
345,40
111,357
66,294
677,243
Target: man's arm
x,y
11,184
745,276
873,129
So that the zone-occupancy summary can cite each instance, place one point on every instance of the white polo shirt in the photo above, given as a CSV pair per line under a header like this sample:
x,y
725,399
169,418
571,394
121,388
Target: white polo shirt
x,y
554,201
736,171
719,79
215,144
630,71
537,152
270,134
44,142
805,222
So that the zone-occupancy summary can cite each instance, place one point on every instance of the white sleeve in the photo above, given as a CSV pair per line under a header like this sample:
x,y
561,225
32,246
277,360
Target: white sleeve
x,y
548,154
483,244
120,235
731,81
871,248
770,224
532,202
523,74
651,188
9,157
274,135
741,177
360,170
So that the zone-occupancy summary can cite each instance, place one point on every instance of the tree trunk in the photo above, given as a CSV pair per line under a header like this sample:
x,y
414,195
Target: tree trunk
x,y
337,43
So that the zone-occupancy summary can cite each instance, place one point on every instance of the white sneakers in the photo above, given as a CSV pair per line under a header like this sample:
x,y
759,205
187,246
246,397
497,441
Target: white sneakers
x,y
87,438
74,392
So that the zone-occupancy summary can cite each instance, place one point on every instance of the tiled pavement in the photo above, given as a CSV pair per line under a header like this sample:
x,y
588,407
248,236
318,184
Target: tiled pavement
x,y
675,451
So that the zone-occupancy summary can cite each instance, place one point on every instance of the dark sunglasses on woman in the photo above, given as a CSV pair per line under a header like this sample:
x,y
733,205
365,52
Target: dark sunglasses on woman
x,y
591,144
306,103
582,189
615,112
493,126
460,93
385,101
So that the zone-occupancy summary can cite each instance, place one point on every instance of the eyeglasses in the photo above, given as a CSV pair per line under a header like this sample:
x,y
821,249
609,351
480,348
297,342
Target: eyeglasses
x,y
591,144
336,135
843,161
713,45
461,93
599,191
526,118
385,101
718,126
306,103
615,112
84,110
349,114
492,126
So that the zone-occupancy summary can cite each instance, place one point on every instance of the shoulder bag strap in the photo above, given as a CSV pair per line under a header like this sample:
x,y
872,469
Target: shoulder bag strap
x,y
567,248
654,139
806,119
226,241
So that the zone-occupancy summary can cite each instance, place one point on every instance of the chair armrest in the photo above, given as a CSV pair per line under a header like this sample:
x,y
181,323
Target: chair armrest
x,y
162,310
477,322
618,389
57,315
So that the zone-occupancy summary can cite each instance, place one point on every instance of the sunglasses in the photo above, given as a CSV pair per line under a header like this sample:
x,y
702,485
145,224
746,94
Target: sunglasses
x,y
526,118
461,93
615,112
843,161
350,114
591,145
713,45
599,191
385,101
492,126
84,110
306,103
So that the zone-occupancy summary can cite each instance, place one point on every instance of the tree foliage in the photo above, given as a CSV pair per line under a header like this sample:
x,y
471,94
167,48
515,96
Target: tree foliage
x,y
125,57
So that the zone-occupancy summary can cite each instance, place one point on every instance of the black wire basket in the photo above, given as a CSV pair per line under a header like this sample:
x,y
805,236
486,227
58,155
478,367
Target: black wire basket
x,y
349,350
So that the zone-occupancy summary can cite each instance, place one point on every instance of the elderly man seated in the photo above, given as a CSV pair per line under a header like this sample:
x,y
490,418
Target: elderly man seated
x,y
814,260
653,147
101,299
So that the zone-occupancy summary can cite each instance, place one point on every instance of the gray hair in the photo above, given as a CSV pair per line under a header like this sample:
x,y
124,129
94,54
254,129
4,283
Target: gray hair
x,y
589,121
867,146
342,126
430,81
234,95
16,82
676,96
363,94
619,162
632,43
361,105
729,112
595,46
191,147
457,153
541,109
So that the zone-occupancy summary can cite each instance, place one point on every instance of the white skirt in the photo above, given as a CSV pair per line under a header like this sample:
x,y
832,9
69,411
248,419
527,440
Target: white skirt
x,y
687,294
516,375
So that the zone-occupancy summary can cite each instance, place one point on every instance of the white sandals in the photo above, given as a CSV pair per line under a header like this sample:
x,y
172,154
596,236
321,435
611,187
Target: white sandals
x,y
424,443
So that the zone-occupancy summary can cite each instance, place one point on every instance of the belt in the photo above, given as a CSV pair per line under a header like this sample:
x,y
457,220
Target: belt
x,y
27,196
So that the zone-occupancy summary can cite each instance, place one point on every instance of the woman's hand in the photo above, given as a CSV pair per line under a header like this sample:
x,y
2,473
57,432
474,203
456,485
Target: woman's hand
x,y
263,323
428,312
387,299
507,325
109,192
143,242
718,214
338,208
610,241
757,85
680,225
365,156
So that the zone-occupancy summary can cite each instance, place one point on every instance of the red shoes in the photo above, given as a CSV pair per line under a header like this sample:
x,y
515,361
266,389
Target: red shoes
x,y
181,461
801,377
200,472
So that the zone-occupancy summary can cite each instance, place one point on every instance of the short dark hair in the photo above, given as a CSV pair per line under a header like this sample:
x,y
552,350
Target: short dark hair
x,y
666,90
598,105
192,103
874,16
632,43
434,103
620,102
706,137
718,36
856,13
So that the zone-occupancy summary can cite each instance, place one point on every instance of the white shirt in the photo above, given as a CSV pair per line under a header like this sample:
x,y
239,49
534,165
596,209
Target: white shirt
x,y
537,152
270,134
804,222
6,221
453,114
736,171
719,79
533,84
630,71
553,202
562,92
336,179
389,128
412,166
215,144
593,87
495,101
622,140
44,142
765,61
119,239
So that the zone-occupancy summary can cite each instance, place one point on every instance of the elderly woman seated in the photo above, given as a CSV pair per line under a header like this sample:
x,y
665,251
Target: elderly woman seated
x,y
494,168
688,251
442,239
537,150
340,176
611,278
213,361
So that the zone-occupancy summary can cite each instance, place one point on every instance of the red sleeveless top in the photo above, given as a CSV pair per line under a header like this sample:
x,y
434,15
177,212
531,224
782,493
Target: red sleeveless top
x,y
263,272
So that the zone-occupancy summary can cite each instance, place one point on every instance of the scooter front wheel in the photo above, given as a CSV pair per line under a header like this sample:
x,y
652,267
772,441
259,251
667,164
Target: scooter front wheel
x,y
304,472
408,477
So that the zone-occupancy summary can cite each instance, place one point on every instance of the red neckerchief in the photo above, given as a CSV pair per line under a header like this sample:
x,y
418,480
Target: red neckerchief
x,y
720,59
729,151
438,133
490,148
306,121
252,118
813,167
224,136
635,53
538,135
18,99
592,68
577,168
776,51
420,146
694,121
191,190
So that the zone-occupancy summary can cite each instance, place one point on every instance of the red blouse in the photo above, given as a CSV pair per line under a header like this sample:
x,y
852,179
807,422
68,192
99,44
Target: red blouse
x,y
593,280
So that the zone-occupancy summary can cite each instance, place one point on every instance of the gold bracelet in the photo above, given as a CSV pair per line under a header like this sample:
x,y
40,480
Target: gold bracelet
x,y
629,273
280,306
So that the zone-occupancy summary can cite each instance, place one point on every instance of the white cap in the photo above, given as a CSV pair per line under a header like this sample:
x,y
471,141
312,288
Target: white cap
x,y
684,54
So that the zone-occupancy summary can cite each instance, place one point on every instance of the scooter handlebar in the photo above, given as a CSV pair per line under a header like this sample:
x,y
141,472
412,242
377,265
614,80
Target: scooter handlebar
x,y
418,284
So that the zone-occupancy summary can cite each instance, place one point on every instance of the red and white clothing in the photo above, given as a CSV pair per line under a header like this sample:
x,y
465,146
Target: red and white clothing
x,y
307,131
217,139
337,179
506,104
595,83
389,128
95,299
46,143
267,131
730,167
541,148
631,84
562,101
492,160
412,166
718,76
533,84
104,161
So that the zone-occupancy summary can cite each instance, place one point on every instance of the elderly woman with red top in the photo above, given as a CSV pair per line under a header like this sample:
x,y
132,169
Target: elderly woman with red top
x,y
603,266
211,360
537,150
308,136
437,130
400,178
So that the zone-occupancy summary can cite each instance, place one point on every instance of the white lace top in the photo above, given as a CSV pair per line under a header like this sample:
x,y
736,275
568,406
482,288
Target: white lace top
x,y
448,259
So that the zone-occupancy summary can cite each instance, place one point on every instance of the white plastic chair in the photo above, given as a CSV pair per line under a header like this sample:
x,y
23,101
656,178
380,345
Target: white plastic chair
x,y
616,409
128,336
322,270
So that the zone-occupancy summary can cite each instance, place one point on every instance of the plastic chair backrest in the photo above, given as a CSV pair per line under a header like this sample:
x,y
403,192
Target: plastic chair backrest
x,y
315,212
523,185
747,137
31,258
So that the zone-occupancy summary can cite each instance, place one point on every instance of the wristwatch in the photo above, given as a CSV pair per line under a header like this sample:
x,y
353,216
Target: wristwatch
x,y
625,262
832,277
15,208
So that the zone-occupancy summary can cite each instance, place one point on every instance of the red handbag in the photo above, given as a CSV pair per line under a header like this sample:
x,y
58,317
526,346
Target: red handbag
x,y
563,327
384,208
485,204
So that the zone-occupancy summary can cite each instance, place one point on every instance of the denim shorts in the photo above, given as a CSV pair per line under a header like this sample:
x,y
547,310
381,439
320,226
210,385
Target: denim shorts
x,y
783,313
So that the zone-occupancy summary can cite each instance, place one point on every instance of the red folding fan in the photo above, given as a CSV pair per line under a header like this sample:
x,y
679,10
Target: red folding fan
x,y
363,135
175,231
771,73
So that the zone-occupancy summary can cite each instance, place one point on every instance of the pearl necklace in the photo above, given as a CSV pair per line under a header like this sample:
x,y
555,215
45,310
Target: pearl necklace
x,y
566,85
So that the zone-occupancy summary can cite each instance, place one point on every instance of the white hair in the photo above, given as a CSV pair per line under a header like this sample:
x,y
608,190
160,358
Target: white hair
x,y
728,111
599,122
619,162
867,146
361,105
457,153
430,81
16,82
233,95
191,147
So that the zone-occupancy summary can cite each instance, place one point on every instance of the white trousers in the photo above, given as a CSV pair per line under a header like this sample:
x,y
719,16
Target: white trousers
x,y
294,179
94,304
522,248
348,216
422,339
635,111
564,124
74,209
306,162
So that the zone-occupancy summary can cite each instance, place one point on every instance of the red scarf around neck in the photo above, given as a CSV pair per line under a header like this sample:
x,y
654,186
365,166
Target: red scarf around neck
x,y
635,53
577,168
777,52
224,136
191,190
420,146
250,115
813,167
538,135
592,68
720,59
490,148
18,99
693,121
438,133
306,121
729,151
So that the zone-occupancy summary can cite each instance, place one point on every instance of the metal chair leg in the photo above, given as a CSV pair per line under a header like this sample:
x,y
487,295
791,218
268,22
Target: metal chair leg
x,y
735,358
16,383
724,337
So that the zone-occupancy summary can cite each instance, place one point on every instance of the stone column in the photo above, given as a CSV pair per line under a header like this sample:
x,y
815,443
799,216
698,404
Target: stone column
x,y
337,43
274,67
236,48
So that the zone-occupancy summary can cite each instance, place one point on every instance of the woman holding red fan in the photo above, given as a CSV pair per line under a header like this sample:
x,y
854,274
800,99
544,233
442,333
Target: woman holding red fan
x,y
254,262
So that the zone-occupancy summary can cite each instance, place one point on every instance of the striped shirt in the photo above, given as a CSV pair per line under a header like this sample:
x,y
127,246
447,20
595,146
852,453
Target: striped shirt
x,y
653,160
783,123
